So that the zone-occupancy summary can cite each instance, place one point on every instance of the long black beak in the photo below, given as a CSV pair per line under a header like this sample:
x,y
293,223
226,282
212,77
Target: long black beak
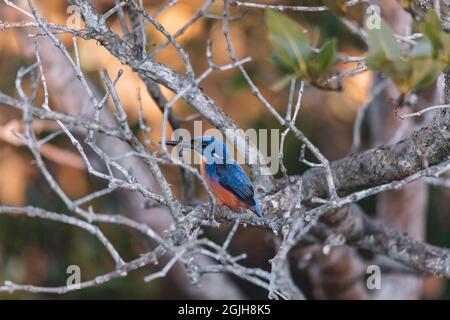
x,y
180,143
172,142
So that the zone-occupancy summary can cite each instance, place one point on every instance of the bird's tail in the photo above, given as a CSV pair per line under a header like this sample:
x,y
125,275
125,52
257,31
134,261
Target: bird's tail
x,y
257,208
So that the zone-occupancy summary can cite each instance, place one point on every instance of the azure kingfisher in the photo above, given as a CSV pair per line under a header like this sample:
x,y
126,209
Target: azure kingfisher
x,y
226,178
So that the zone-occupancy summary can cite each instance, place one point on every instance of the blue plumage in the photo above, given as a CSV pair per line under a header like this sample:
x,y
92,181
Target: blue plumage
x,y
228,173
233,178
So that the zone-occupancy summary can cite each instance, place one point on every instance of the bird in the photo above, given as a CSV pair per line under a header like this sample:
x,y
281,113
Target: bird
x,y
225,177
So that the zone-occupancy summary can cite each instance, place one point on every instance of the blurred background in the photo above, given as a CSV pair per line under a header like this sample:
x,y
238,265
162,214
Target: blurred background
x,y
38,252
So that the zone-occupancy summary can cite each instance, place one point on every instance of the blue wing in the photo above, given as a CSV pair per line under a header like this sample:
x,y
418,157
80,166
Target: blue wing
x,y
233,178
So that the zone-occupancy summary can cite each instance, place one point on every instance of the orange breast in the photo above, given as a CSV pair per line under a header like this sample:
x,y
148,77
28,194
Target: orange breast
x,y
223,195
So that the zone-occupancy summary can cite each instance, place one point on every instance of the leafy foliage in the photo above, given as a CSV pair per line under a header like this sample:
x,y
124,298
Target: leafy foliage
x,y
293,53
417,68
414,69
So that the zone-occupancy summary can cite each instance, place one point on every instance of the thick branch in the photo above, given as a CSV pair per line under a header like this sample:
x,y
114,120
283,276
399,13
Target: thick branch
x,y
386,163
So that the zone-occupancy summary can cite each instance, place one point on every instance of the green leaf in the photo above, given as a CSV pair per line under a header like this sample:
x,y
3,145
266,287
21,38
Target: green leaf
x,y
423,48
416,69
440,39
293,54
289,42
382,46
412,72
326,57
425,73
